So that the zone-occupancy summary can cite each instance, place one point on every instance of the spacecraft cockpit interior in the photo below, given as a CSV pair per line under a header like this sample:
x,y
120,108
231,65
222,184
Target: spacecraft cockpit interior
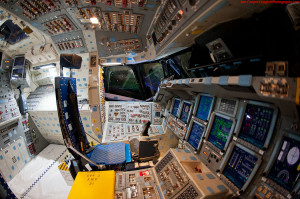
x,y
162,99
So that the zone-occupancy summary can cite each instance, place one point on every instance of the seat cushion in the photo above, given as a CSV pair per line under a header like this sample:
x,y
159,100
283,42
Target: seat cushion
x,y
112,153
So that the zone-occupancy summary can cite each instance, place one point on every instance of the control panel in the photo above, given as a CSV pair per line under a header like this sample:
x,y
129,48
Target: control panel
x,y
127,119
34,140
256,123
25,124
136,184
13,158
120,131
174,16
119,22
210,157
219,131
121,46
116,132
227,106
171,122
8,106
61,24
139,112
168,19
275,87
157,111
28,136
134,113
122,21
170,175
180,174
282,172
180,129
239,167
70,42
265,191
4,2
194,135
32,9
217,139
232,135
117,3
189,191
208,132
9,133
14,129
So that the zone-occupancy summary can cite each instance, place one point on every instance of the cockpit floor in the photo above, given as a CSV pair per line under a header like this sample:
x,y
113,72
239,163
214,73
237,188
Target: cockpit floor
x,y
41,178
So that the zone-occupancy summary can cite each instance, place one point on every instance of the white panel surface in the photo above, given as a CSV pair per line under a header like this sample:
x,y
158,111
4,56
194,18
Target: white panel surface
x,y
43,176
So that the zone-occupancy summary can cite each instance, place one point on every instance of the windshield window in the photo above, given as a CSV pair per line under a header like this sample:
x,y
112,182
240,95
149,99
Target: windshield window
x,y
121,80
153,72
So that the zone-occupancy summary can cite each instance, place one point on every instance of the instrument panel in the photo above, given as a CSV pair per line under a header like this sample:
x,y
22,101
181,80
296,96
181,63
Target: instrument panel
x,y
9,109
240,141
173,18
127,119
136,184
171,176
66,22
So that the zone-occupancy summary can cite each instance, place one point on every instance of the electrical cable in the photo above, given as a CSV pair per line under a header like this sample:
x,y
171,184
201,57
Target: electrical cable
x,y
92,137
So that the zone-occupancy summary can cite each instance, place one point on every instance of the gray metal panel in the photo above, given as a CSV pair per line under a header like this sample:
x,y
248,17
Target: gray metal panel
x,y
10,132
177,24
102,37
9,110
146,12
287,117
75,36
37,139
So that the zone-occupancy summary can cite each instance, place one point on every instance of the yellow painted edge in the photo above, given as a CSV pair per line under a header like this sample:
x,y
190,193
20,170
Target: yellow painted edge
x,y
61,165
196,32
298,91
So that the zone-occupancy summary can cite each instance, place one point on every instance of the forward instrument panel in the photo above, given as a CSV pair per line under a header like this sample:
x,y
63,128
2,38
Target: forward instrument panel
x,y
127,119
249,144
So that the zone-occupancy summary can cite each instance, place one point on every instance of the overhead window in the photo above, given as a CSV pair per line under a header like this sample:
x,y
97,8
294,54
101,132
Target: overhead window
x,y
11,33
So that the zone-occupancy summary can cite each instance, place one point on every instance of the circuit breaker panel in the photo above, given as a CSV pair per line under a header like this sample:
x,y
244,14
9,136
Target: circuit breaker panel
x,y
14,153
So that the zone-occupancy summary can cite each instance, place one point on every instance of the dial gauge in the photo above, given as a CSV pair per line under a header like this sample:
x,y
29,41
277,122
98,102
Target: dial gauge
x,y
293,155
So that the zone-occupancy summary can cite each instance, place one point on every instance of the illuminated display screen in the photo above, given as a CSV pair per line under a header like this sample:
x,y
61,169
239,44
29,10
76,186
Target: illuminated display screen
x,y
256,124
286,168
204,107
176,107
19,61
196,135
220,131
185,112
239,167
17,73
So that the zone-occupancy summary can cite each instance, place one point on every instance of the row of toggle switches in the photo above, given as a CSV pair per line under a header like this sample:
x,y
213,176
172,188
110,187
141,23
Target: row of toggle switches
x,y
70,45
